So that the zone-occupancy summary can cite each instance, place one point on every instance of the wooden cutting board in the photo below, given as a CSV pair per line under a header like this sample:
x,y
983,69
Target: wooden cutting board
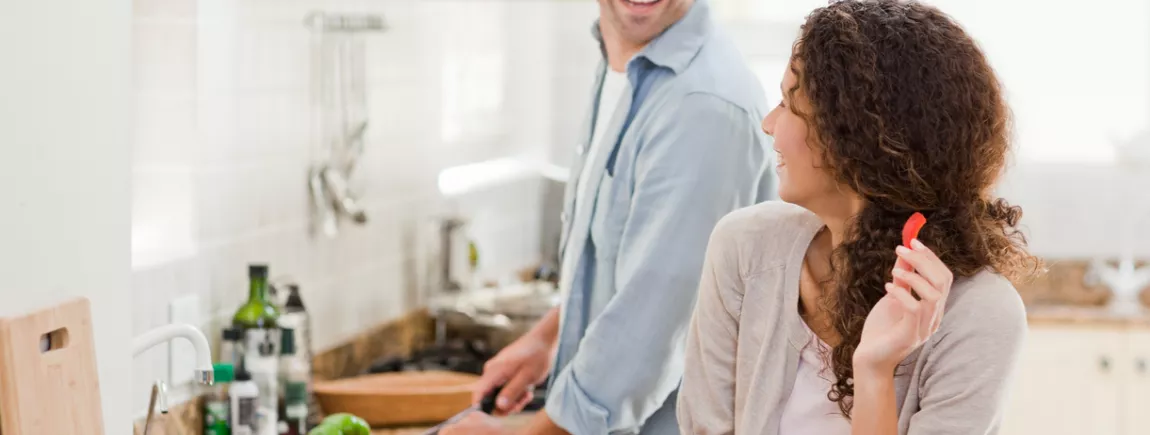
x,y
404,398
48,379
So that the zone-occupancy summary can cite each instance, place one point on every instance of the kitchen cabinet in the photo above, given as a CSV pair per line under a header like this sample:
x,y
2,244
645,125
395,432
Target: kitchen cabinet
x,y
1082,378
1136,391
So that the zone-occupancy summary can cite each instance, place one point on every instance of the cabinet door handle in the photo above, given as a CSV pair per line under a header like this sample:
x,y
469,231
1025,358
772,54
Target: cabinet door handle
x,y
1104,364
1140,365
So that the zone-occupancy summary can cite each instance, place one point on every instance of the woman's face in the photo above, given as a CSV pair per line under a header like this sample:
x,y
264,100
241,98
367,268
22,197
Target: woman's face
x,y
803,179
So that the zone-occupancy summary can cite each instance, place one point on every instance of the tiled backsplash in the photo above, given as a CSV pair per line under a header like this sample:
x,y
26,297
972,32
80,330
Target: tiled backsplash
x,y
223,143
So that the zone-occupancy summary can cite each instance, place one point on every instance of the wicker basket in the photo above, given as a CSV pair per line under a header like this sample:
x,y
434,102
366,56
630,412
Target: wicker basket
x,y
403,398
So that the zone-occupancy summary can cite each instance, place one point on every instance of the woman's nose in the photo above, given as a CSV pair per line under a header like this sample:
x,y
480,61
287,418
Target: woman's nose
x,y
769,124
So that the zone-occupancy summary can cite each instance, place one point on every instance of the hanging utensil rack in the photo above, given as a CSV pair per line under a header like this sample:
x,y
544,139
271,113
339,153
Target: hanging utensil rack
x,y
339,115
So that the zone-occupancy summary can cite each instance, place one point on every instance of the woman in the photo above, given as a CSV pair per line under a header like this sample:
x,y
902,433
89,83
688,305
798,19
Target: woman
x,y
812,318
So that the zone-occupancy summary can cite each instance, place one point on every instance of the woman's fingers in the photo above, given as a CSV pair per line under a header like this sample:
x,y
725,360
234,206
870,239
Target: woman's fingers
x,y
903,296
923,260
920,285
900,264
927,265
931,297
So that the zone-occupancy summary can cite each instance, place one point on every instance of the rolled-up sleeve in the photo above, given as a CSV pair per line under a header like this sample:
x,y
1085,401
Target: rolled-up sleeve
x,y
694,167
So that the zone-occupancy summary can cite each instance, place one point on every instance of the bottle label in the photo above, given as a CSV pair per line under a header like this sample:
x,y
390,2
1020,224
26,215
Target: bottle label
x,y
295,392
246,422
216,417
267,421
296,412
261,360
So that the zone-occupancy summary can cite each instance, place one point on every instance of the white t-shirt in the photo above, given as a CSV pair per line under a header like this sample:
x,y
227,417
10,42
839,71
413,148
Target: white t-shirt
x,y
610,92
614,84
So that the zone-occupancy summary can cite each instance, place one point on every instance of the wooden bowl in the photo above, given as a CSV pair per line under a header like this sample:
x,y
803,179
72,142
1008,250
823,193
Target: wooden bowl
x,y
402,398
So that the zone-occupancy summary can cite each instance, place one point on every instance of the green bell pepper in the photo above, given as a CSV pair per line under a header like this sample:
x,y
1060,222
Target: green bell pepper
x,y
342,424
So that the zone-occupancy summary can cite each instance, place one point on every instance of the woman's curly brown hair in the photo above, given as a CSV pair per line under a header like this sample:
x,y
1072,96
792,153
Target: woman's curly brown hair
x,y
908,114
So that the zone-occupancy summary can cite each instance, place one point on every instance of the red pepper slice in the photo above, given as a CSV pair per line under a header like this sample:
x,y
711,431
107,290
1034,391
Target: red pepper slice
x,y
913,225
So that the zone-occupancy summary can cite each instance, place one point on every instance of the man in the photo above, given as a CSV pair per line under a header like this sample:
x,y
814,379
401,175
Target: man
x,y
671,145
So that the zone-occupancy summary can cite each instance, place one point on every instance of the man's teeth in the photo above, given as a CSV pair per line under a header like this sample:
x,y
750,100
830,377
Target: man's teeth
x,y
643,2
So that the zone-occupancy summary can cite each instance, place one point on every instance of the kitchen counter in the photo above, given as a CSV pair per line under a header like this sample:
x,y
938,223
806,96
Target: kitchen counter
x,y
514,421
1084,316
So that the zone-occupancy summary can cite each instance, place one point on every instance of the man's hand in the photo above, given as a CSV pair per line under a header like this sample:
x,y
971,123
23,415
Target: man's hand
x,y
519,367
476,423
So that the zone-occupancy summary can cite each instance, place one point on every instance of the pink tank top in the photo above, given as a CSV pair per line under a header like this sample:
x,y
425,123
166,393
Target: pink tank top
x,y
808,411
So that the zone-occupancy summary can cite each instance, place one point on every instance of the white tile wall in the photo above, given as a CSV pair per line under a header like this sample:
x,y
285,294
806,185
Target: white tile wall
x,y
222,147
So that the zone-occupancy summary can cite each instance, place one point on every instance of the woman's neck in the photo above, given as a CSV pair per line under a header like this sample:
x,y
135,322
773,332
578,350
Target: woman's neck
x,y
836,214
817,271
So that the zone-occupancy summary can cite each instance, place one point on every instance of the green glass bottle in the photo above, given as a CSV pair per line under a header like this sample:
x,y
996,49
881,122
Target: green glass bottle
x,y
258,311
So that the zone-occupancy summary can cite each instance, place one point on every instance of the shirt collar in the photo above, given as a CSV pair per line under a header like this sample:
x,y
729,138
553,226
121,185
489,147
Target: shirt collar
x,y
677,45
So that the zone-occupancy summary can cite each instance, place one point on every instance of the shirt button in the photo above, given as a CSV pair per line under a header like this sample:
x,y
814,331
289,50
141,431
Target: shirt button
x,y
563,217
580,149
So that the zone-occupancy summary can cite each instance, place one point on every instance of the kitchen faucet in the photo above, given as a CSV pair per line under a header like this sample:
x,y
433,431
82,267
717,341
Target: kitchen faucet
x,y
163,334
204,373
159,399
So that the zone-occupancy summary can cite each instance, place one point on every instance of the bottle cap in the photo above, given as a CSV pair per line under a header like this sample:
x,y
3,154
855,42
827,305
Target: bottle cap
x,y
287,341
232,334
257,270
295,392
243,375
224,372
294,302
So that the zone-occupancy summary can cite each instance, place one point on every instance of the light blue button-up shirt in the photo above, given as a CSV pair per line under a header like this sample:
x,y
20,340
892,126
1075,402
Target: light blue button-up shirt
x,y
688,151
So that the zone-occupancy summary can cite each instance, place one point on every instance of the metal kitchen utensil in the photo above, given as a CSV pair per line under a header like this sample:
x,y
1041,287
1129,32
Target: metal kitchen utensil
x,y
455,418
339,114
353,147
487,406
449,230
340,193
323,216
344,23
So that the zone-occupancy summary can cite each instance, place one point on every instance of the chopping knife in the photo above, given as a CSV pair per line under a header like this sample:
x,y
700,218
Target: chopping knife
x,y
486,405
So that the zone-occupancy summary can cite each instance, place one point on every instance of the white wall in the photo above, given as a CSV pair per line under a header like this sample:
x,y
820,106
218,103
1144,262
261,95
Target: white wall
x,y
65,138
1078,81
222,146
